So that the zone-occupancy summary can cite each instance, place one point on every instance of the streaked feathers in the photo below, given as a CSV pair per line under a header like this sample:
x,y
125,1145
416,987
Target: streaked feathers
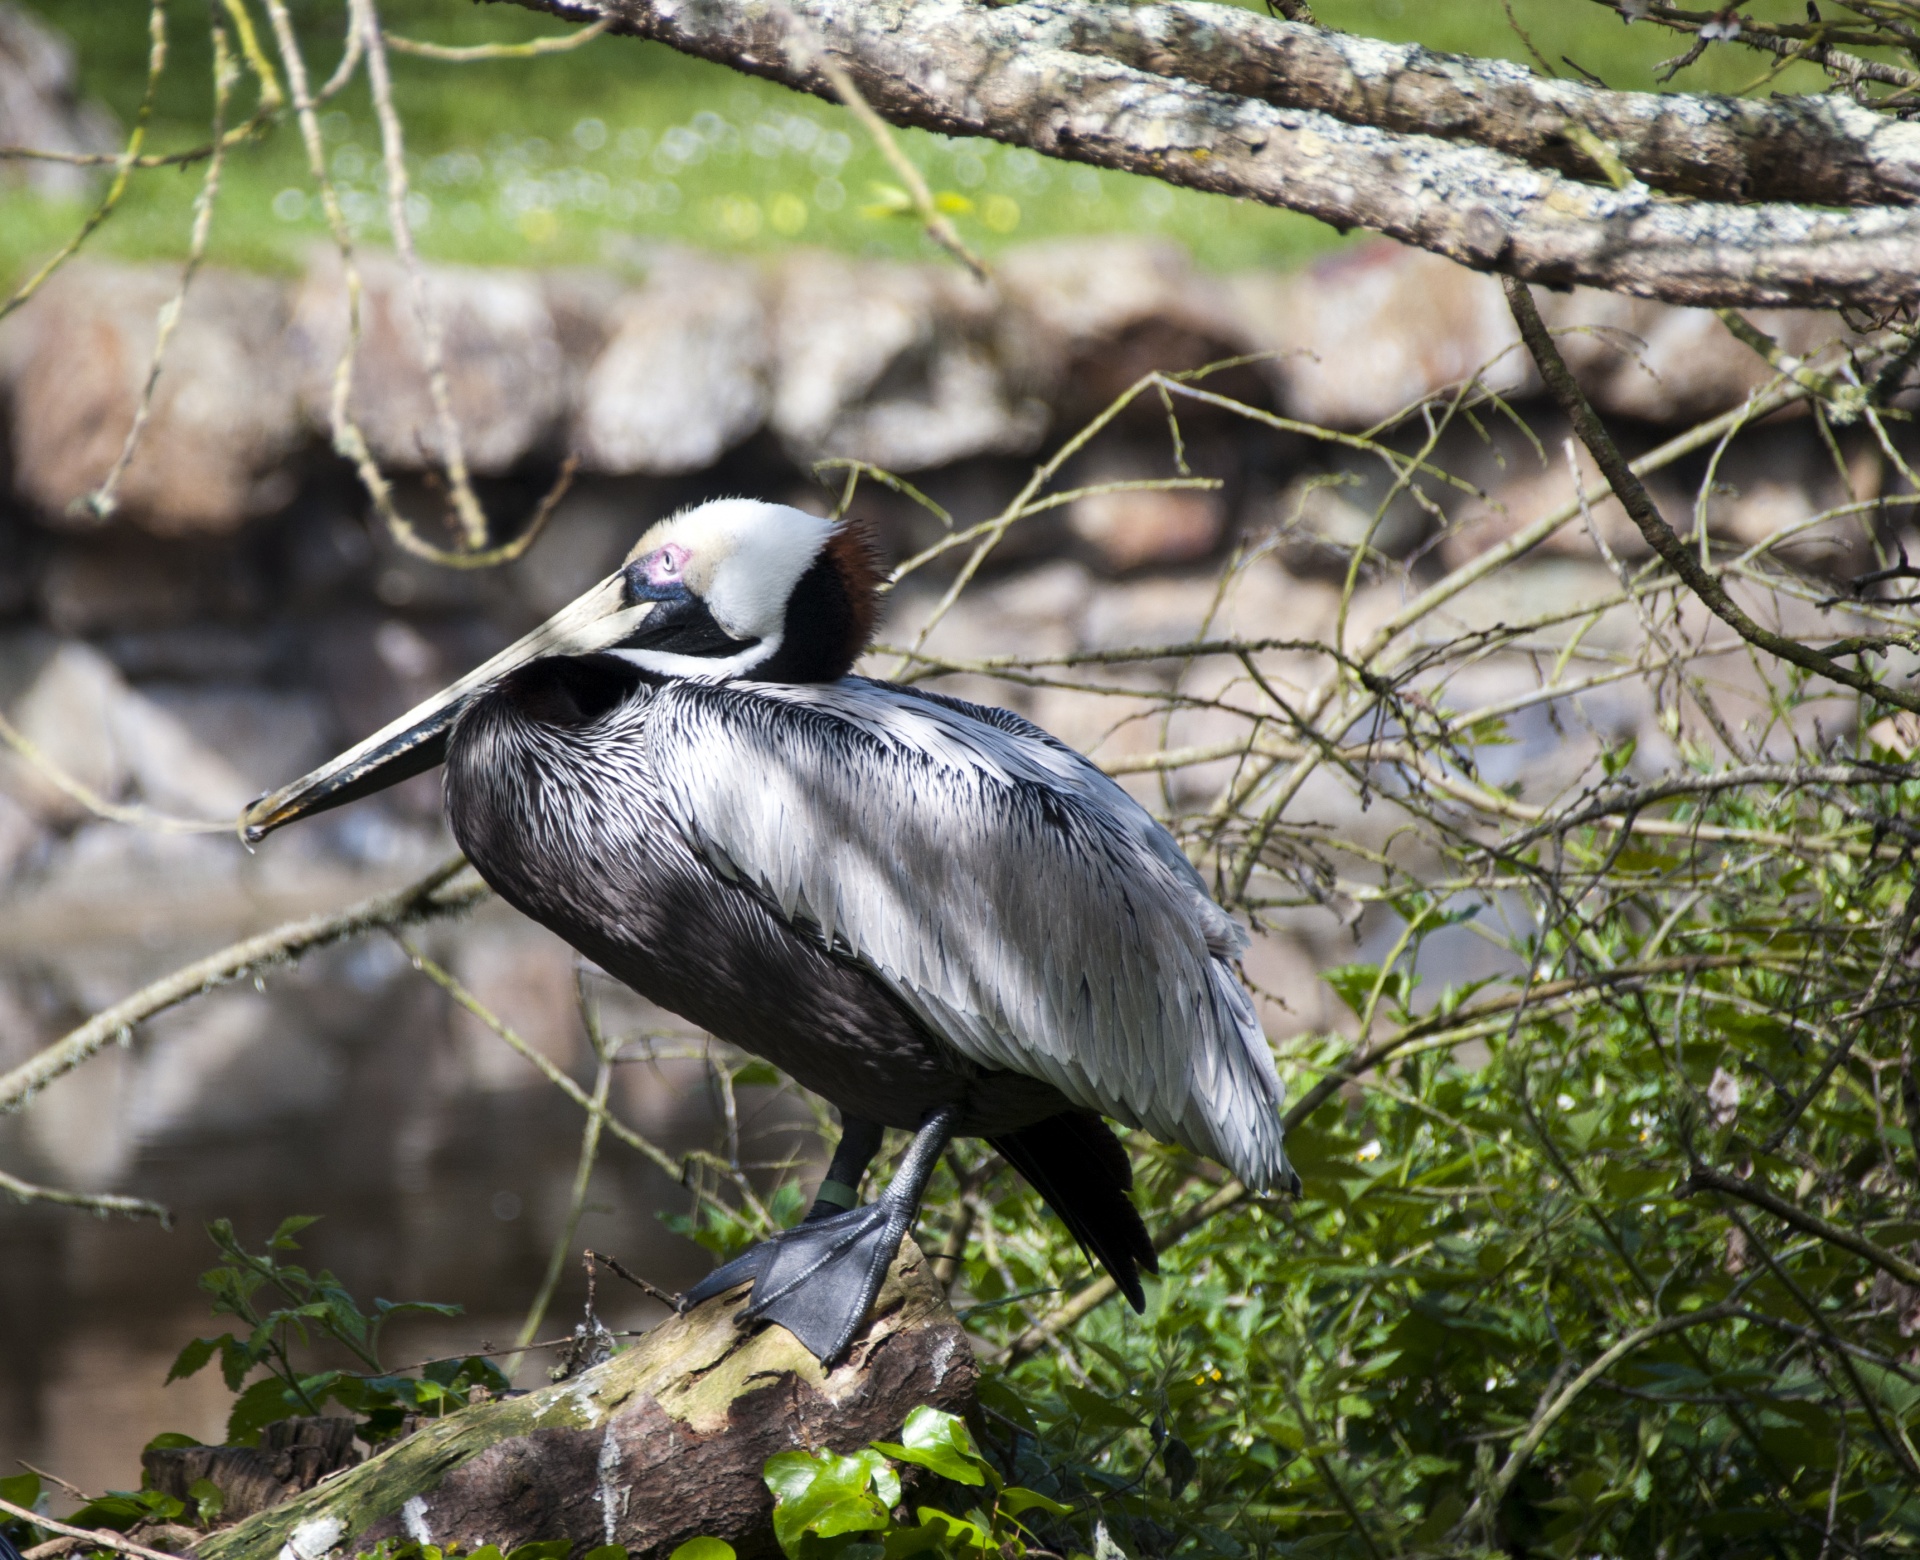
x,y
1010,894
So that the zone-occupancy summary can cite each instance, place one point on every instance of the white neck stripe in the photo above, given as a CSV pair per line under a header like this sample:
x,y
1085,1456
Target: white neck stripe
x,y
702,668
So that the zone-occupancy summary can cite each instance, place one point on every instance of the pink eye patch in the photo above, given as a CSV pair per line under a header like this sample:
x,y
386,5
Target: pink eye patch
x,y
667,565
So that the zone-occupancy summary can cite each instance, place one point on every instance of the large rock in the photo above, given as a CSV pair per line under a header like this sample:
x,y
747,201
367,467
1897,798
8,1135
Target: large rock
x,y
1361,336
1095,315
84,718
1650,361
1364,334
506,371
224,426
683,375
40,106
900,365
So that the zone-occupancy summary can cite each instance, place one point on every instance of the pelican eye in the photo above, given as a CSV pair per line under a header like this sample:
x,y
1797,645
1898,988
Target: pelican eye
x,y
659,576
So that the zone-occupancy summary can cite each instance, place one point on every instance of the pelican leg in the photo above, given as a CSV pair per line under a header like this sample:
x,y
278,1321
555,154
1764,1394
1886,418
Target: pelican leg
x,y
820,1278
840,1186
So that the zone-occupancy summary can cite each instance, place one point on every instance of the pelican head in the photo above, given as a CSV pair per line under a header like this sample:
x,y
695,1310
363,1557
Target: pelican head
x,y
735,588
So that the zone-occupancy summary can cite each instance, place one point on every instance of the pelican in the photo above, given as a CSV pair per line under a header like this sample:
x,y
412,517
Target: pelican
x,y
929,912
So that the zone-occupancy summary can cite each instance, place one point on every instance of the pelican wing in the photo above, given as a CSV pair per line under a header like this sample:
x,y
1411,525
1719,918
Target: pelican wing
x,y
1025,907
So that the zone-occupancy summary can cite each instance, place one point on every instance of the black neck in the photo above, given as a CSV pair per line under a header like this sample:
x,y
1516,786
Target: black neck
x,y
822,636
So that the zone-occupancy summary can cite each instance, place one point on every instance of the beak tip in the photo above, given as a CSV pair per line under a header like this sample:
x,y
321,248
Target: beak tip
x,y
254,828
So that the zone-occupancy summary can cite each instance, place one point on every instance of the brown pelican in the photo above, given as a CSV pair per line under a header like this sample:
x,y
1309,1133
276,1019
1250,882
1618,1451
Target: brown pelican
x,y
929,912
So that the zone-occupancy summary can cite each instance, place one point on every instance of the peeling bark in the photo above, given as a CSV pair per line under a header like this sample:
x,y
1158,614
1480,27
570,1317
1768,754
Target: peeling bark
x,y
658,1445
1080,81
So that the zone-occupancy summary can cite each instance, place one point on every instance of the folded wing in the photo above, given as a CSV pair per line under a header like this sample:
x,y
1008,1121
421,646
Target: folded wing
x,y
1031,913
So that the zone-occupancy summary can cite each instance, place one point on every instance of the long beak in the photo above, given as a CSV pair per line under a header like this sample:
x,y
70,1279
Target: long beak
x,y
417,741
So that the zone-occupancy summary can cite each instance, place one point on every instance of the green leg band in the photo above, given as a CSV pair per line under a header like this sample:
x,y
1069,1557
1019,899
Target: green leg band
x,y
837,1194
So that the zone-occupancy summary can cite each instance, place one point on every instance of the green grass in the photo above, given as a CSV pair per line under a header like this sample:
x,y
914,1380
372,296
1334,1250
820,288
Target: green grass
x,y
574,158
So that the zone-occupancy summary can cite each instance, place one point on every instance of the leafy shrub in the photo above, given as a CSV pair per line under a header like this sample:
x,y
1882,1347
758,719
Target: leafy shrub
x,y
314,1306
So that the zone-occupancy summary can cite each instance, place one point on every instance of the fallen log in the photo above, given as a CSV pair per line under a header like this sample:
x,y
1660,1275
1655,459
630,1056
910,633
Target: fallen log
x,y
660,1444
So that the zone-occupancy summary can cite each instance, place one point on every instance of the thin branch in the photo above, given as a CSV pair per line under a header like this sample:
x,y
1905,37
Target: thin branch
x,y
429,898
938,225
1550,1413
104,499
576,1205
452,453
114,812
123,164
447,982
468,54
106,1538
94,1202
1890,1263
1660,536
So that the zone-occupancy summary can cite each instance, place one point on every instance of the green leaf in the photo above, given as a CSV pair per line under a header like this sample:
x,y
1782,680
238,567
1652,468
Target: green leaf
x,y
282,1238
260,1405
1100,1412
1016,1498
902,1543
209,1500
22,1489
960,1530
168,1440
692,1549
1353,984
939,1441
996,1395
543,1549
195,1357
825,1494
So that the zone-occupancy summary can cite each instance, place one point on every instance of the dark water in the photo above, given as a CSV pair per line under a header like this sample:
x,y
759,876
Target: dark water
x,y
440,1164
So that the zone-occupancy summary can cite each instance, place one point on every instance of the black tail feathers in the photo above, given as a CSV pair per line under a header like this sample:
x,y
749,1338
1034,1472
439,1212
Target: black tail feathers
x,y
1076,1163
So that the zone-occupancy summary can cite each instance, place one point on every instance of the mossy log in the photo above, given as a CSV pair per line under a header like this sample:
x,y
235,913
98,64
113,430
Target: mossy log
x,y
657,1445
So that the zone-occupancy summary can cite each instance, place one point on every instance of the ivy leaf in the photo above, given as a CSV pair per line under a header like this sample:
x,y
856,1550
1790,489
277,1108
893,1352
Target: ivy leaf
x,y
938,1441
692,1549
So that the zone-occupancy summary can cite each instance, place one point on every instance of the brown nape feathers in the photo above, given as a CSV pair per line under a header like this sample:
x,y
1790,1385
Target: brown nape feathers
x,y
856,558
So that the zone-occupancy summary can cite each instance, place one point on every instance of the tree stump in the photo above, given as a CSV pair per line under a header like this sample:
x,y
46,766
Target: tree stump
x,y
657,1445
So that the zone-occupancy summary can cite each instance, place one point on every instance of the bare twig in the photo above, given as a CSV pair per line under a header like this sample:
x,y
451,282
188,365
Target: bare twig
x,y
104,499
1640,508
939,226
123,164
428,898
473,53
105,1538
102,1203
114,812
452,452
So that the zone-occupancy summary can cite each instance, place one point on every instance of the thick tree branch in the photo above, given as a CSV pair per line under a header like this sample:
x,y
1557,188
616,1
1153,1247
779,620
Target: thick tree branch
x,y
1824,149
1021,74
655,1446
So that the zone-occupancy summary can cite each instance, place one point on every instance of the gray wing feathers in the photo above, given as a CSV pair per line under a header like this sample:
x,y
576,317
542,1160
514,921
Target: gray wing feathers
x,y
1017,900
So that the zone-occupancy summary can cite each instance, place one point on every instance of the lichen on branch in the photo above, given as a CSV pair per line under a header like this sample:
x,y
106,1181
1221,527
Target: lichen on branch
x,y
1471,159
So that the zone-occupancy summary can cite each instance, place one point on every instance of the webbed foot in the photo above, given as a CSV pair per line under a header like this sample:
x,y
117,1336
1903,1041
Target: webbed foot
x,y
820,1279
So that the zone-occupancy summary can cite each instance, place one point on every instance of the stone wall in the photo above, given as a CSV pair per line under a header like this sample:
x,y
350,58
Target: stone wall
x,y
240,619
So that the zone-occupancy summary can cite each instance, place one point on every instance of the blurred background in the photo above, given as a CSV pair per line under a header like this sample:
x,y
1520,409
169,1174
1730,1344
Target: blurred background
x,y
701,285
